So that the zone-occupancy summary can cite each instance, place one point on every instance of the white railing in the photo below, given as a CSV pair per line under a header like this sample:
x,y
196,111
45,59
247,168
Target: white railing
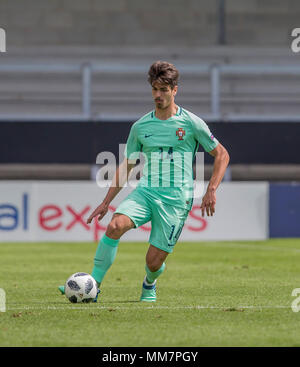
x,y
87,70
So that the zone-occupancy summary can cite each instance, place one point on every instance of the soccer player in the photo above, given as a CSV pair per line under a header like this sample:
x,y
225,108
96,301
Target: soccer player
x,y
169,137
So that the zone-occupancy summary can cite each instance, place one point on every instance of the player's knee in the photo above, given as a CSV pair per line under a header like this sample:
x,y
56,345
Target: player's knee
x,y
116,228
153,264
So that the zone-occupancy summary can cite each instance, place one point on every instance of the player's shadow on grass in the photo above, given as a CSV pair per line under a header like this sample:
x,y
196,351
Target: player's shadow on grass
x,y
135,301
90,303
99,303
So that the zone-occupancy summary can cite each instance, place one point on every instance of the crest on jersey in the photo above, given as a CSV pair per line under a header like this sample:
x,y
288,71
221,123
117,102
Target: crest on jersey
x,y
180,132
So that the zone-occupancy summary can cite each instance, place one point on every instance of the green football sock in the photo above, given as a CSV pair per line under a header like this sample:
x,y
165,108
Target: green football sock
x,y
151,276
105,255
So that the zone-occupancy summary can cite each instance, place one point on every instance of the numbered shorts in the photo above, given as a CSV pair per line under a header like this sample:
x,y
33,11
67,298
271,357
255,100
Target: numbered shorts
x,y
167,221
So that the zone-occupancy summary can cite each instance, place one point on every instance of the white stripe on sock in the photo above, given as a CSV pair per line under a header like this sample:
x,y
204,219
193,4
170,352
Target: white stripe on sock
x,y
147,283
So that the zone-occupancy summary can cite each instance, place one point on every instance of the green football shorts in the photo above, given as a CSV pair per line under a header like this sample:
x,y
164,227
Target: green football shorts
x,y
167,221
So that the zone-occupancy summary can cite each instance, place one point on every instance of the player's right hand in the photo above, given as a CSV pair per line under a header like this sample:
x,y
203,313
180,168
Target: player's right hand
x,y
100,211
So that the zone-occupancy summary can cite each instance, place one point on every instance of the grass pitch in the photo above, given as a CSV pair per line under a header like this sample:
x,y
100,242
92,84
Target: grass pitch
x,y
211,294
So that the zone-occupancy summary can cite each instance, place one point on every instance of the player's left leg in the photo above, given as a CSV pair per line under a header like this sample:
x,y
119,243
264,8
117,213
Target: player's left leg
x,y
167,223
155,266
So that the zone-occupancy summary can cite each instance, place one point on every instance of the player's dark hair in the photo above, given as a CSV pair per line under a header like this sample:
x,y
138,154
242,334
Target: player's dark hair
x,y
163,72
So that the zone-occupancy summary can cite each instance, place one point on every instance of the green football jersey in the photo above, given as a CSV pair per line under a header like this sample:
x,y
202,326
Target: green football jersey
x,y
169,148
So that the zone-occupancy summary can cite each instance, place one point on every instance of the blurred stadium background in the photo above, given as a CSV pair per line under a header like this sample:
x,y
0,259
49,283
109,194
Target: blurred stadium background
x,y
74,79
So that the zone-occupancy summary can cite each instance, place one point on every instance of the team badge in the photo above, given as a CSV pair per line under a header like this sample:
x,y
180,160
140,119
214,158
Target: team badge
x,y
180,132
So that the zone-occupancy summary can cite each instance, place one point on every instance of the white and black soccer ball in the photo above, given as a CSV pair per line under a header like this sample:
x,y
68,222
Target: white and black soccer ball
x,y
81,287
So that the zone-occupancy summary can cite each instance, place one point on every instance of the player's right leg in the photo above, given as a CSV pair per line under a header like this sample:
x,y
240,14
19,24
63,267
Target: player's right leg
x,y
107,248
108,245
133,212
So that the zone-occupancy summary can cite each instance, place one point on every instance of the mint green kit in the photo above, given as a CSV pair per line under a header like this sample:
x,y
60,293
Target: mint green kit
x,y
167,220
164,194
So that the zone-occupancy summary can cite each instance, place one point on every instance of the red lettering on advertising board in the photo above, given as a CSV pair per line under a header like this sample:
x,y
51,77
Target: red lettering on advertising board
x,y
78,217
49,214
199,218
145,227
55,211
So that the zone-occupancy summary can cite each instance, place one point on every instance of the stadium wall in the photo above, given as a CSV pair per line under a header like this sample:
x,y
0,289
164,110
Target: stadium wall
x,y
140,23
80,142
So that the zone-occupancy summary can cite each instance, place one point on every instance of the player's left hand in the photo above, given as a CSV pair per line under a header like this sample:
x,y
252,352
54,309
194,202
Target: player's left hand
x,y
208,203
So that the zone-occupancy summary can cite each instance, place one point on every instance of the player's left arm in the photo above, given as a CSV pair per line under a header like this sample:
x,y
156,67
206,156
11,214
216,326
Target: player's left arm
x,y
220,164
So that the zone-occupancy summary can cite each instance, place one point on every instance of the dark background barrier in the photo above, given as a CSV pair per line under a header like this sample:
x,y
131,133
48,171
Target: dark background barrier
x,y
284,210
80,142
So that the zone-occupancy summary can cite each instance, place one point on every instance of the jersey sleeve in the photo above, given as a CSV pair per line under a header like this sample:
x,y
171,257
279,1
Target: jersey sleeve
x,y
133,146
203,135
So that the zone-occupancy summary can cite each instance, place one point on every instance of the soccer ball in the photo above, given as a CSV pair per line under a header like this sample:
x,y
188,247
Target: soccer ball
x,y
81,287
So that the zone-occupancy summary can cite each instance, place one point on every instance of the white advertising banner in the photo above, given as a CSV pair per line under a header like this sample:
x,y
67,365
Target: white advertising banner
x,y
57,211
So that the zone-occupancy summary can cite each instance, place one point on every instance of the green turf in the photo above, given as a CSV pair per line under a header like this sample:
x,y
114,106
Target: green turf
x,y
211,294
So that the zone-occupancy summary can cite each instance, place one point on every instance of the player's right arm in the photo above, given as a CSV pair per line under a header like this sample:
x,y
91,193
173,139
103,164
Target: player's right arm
x,y
119,180
132,149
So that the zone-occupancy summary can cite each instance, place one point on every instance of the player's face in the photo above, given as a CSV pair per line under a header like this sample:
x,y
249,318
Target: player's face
x,y
163,95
